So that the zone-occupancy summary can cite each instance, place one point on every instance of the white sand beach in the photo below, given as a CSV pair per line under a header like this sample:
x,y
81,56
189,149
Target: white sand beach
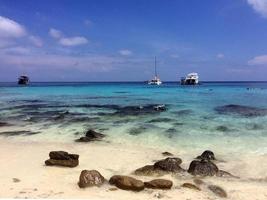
x,y
25,161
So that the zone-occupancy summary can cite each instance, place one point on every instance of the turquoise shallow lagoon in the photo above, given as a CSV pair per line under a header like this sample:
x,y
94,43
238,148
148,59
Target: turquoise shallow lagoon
x,y
225,117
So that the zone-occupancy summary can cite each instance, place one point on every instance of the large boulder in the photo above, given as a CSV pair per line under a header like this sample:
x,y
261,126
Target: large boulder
x,y
62,158
159,184
207,155
127,183
170,164
89,178
91,135
203,168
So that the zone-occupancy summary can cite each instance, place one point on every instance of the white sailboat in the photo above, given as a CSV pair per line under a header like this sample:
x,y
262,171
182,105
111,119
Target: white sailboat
x,y
155,80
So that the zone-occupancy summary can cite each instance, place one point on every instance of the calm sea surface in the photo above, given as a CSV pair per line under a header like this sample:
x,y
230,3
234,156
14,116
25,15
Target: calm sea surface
x,y
227,117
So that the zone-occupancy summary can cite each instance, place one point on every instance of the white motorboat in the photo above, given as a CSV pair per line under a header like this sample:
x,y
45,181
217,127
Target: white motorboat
x,y
190,79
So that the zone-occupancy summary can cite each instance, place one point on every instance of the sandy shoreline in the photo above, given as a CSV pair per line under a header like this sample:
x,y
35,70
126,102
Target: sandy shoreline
x,y
25,161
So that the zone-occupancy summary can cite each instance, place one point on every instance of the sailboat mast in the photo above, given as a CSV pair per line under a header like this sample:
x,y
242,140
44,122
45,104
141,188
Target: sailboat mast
x,y
156,74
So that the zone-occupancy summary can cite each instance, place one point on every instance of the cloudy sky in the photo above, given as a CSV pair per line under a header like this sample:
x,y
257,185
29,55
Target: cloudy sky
x,y
116,40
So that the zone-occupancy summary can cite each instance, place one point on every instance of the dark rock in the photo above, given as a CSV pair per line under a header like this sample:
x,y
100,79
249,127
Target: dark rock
x,y
245,111
127,183
207,155
91,135
159,184
149,170
90,178
190,186
63,155
203,168
169,164
63,163
16,180
62,158
218,191
166,153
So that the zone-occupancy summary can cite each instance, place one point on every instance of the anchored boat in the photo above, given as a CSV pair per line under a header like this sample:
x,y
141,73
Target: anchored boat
x,y
156,80
190,79
23,80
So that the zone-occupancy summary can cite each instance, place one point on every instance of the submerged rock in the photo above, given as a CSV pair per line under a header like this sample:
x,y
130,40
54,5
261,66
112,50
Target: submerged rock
x,y
245,111
62,158
2,124
159,120
127,183
217,191
16,133
207,155
159,184
190,186
91,135
89,178
170,164
222,128
203,168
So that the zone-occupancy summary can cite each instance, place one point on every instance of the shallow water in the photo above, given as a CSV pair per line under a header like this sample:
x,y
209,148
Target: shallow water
x,y
62,112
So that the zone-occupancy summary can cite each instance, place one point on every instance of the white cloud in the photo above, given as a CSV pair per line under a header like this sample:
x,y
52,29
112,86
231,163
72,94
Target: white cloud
x,y
37,41
125,52
10,28
260,6
73,41
258,60
55,33
220,55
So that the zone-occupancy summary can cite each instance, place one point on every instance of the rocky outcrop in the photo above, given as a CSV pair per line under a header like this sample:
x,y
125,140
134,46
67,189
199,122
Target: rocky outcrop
x,y
90,136
217,191
62,158
159,184
203,168
127,183
207,155
89,178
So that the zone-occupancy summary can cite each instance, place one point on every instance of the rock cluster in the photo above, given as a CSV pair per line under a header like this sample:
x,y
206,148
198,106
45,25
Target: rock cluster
x,y
90,136
62,158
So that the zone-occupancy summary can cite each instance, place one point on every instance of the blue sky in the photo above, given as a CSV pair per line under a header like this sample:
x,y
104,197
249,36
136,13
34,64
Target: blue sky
x,y
116,40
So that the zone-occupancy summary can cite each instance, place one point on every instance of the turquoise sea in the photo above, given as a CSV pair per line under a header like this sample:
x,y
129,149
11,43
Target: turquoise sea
x,y
222,116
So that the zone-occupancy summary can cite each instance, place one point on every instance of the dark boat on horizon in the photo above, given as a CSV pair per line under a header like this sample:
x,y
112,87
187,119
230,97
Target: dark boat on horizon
x,y
23,80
